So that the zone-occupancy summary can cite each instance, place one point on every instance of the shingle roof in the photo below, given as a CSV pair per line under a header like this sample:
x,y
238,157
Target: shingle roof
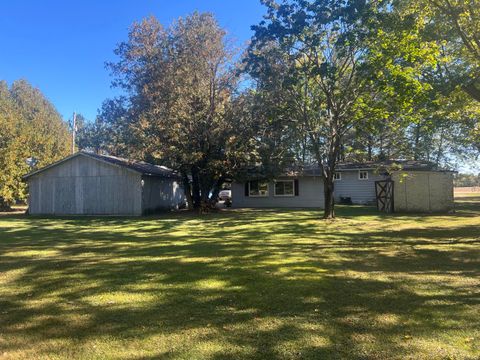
x,y
404,164
141,167
407,165
380,166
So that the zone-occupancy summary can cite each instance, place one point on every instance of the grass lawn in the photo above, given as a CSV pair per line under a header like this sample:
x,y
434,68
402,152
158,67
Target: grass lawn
x,y
272,284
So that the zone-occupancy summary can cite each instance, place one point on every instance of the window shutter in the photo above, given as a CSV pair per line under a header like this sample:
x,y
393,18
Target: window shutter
x,y
295,184
246,188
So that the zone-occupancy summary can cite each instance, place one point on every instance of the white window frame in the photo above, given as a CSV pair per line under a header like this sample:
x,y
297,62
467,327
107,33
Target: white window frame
x,y
360,177
259,195
335,175
283,181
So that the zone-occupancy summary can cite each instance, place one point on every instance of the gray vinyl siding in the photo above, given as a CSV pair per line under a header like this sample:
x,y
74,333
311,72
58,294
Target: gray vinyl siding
x,y
85,186
310,195
161,194
360,191
311,192
424,191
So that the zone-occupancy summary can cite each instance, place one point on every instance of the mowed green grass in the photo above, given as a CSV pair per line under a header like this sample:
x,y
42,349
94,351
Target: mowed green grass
x,y
271,284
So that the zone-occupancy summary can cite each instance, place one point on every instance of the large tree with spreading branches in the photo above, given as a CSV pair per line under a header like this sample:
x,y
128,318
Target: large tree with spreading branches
x,y
343,64
181,84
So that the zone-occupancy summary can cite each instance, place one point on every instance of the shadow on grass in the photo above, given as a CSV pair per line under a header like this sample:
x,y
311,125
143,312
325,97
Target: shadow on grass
x,y
268,284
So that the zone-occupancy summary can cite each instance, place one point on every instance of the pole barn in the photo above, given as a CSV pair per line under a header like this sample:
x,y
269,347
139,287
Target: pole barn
x,y
91,184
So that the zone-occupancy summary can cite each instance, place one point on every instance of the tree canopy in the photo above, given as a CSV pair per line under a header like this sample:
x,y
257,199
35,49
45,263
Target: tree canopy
x,y
181,84
336,66
32,135
456,24
327,81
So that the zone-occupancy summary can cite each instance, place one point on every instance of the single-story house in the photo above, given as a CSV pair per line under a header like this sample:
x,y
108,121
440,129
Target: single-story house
x,y
416,186
91,184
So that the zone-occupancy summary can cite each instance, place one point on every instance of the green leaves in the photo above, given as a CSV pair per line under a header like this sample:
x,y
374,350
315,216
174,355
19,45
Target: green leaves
x,y
455,26
183,106
30,128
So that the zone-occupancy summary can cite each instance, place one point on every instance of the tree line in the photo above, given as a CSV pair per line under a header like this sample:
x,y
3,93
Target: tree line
x,y
32,135
320,82
467,180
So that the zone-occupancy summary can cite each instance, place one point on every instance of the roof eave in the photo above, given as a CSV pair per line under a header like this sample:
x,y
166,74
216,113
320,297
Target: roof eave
x,y
79,153
163,176
30,174
111,163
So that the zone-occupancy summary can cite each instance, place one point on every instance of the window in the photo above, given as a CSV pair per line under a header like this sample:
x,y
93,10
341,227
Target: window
x,y
284,188
258,188
337,176
363,175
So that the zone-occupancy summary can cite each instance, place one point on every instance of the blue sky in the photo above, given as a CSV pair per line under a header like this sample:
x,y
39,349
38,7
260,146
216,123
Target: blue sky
x,y
61,46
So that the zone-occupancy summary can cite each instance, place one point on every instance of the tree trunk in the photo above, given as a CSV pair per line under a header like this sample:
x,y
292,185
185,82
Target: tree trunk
x,y
381,153
4,206
216,189
205,192
369,148
440,147
328,171
416,153
341,156
196,196
472,90
208,194
328,168
329,211
187,188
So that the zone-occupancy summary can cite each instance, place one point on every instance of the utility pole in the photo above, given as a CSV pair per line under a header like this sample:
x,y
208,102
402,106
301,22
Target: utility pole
x,y
74,130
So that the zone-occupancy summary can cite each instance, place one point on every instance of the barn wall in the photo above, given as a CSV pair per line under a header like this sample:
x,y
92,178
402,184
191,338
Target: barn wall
x,y
161,194
360,191
423,191
310,194
85,186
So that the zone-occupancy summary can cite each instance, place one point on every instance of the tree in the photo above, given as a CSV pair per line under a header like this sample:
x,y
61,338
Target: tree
x,y
442,128
81,131
32,135
345,64
467,180
181,83
10,150
457,24
109,133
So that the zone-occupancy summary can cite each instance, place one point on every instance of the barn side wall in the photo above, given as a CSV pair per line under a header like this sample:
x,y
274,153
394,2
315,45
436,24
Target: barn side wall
x,y
160,194
423,191
84,186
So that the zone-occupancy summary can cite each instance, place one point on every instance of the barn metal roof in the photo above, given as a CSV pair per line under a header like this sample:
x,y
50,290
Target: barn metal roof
x,y
141,167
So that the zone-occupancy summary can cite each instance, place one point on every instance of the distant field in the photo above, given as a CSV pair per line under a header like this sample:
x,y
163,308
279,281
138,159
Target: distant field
x,y
468,190
243,284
